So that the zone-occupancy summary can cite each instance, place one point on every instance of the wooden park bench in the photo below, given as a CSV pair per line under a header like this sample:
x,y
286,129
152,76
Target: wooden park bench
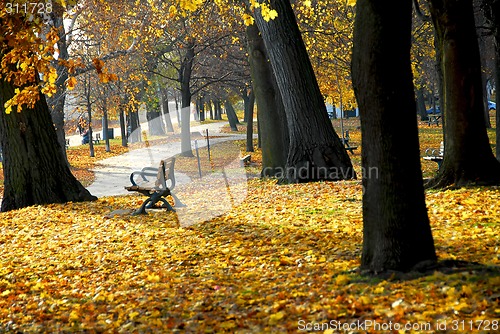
x,y
159,190
245,160
97,138
432,154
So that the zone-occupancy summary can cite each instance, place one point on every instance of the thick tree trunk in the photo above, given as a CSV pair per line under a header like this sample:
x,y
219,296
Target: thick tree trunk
x,y
316,152
468,158
273,129
396,230
35,169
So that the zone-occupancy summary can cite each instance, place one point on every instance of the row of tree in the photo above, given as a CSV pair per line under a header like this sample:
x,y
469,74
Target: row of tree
x,y
299,142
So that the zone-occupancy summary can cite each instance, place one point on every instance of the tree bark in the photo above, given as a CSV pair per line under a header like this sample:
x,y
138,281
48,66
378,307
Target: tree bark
x,y
123,127
231,115
316,152
105,128
35,169
468,158
163,92
134,126
185,78
273,129
249,115
396,230
421,105
218,110
155,123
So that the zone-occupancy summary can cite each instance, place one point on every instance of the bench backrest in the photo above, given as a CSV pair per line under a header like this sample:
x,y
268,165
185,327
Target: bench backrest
x,y
165,173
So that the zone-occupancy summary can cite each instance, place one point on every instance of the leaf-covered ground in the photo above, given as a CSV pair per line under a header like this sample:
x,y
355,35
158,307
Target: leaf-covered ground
x,y
283,260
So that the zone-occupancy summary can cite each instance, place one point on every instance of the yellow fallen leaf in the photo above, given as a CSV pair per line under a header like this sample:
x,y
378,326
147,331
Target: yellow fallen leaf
x,y
342,279
275,318
74,315
133,315
228,324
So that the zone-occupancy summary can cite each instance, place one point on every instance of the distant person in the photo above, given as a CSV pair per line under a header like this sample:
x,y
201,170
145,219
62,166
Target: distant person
x,y
85,138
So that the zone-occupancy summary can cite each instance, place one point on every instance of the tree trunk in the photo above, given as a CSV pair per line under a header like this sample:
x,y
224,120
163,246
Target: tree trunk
x,y
421,105
245,95
179,121
231,115
201,102
396,230
249,114
35,169
185,78
218,110
123,127
105,129
134,126
273,130
57,101
155,123
211,109
163,92
89,116
316,152
468,158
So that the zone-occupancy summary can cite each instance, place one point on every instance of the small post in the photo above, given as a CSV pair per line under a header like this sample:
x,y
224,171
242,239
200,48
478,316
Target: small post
x,y
208,146
197,156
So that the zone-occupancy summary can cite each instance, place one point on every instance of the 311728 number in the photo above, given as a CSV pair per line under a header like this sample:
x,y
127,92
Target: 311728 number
x,y
39,8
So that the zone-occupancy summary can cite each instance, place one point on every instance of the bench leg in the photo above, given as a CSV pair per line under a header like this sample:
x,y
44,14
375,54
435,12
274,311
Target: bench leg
x,y
167,205
150,202
142,209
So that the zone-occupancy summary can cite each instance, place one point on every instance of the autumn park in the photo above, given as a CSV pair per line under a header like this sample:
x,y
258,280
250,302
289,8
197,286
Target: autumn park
x,y
254,166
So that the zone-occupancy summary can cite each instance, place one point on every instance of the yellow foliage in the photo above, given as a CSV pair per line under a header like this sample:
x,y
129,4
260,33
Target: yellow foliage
x,y
248,19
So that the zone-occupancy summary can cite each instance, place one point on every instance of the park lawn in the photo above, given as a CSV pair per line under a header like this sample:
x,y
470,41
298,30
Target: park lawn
x,y
284,259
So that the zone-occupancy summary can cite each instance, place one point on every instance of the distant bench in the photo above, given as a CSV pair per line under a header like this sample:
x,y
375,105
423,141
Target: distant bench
x,y
159,191
432,154
345,141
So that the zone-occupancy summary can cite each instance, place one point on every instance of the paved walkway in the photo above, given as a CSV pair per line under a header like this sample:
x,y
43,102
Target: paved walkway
x,y
113,174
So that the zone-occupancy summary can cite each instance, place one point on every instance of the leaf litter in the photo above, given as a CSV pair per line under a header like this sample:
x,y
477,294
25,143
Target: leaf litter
x,y
284,257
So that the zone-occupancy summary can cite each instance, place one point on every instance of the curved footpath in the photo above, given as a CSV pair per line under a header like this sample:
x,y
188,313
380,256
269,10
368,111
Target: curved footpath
x,y
113,174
